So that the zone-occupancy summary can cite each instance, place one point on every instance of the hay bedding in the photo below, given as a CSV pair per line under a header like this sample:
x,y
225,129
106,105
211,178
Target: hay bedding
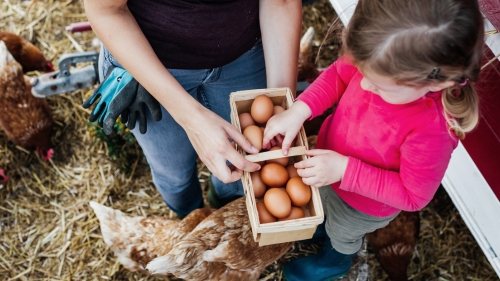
x,y
47,230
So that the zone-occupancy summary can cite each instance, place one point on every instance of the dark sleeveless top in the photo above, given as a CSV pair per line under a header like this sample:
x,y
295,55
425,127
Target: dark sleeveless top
x,y
190,34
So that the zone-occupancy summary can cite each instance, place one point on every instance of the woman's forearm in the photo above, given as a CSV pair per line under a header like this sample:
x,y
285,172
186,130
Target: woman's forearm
x,y
281,25
116,27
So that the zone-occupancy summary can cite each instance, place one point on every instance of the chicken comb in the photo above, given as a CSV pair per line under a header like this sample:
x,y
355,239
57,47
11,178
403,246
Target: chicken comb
x,y
50,153
3,177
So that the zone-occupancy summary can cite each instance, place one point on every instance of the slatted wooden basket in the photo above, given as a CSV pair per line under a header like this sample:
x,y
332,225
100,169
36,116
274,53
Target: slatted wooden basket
x,y
281,231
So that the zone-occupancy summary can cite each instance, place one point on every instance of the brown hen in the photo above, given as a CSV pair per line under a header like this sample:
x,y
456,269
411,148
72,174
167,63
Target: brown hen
x,y
394,244
27,54
220,247
26,120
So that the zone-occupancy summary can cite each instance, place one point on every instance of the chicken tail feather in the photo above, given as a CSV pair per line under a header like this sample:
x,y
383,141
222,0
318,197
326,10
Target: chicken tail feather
x,y
120,233
161,265
183,256
112,221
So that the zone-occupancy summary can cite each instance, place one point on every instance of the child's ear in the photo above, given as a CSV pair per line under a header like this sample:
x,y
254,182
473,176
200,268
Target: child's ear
x,y
440,86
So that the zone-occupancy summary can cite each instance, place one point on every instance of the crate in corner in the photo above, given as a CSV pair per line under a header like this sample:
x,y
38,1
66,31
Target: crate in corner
x,y
281,231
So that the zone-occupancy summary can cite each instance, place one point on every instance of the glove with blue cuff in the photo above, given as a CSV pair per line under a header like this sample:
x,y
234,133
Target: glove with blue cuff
x,y
120,94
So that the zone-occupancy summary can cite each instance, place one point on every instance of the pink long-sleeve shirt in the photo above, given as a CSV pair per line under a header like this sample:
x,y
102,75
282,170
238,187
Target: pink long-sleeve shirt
x,y
398,153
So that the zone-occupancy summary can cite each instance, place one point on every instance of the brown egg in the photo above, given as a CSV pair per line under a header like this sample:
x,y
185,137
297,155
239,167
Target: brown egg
x,y
277,109
282,161
264,215
245,120
254,135
262,109
296,213
259,188
292,171
278,203
274,175
298,191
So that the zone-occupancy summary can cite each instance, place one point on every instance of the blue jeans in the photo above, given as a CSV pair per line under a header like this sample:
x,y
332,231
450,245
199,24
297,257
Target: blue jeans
x,y
166,146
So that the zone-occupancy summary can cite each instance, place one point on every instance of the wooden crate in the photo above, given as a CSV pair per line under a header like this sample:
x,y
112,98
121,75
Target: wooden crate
x,y
282,231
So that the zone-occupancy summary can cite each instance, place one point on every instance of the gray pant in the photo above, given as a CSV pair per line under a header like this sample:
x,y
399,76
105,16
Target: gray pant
x,y
345,225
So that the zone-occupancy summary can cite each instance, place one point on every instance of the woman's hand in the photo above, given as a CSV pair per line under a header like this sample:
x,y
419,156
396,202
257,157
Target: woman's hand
x,y
209,134
285,126
323,168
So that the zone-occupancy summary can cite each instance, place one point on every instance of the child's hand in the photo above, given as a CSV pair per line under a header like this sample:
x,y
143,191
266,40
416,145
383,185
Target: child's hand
x,y
323,168
285,126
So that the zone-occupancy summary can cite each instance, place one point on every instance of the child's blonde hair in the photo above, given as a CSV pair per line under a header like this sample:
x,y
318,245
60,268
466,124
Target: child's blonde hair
x,y
421,43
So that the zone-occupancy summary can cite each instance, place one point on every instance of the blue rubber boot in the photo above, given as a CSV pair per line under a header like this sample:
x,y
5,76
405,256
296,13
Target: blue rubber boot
x,y
318,236
326,265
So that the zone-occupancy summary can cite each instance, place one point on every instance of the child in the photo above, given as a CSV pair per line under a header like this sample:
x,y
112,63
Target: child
x,y
404,98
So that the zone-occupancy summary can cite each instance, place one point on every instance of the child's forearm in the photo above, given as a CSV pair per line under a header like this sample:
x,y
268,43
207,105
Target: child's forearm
x,y
301,110
386,186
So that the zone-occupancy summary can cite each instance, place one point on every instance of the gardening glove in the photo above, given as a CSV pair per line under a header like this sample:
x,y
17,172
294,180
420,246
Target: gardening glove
x,y
137,110
118,96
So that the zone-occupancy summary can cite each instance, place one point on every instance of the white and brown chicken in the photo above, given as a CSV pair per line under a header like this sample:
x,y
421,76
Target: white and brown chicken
x,y
205,245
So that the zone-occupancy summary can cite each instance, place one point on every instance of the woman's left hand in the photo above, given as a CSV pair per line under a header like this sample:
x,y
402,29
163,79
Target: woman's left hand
x,y
323,168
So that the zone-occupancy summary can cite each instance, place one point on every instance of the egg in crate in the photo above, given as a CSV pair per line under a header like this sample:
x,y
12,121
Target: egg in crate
x,y
278,202
295,213
298,191
274,175
259,187
264,215
245,120
262,109
278,109
292,171
282,161
255,135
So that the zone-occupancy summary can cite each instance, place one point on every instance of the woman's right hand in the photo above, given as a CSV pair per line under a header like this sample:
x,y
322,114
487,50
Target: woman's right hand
x,y
209,134
285,126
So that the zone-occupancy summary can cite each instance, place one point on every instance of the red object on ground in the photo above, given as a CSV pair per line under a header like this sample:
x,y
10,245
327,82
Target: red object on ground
x,y
79,27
